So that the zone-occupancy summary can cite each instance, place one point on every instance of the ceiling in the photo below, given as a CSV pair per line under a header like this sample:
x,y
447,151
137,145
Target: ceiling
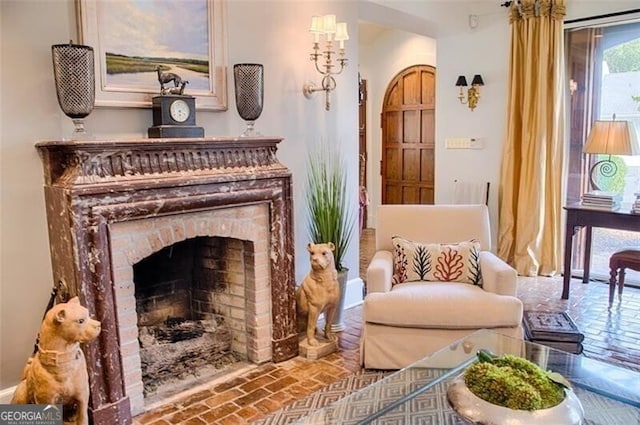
x,y
368,32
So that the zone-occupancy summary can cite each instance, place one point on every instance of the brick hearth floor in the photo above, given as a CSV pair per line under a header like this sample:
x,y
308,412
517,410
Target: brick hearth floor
x,y
610,336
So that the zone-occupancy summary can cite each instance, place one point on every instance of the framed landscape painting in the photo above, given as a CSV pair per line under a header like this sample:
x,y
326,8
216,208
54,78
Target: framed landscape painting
x,y
135,40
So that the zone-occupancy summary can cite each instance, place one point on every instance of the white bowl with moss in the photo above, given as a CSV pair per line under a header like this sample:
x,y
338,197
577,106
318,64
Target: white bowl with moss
x,y
514,391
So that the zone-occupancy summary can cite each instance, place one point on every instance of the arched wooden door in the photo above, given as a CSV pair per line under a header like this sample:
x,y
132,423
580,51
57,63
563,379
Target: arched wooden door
x,y
408,137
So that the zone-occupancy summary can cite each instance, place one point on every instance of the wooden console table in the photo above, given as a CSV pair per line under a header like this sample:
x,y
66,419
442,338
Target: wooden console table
x,y
578,217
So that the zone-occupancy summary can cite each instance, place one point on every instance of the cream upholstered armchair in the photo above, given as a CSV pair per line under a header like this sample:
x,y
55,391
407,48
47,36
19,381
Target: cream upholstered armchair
x,y
403,322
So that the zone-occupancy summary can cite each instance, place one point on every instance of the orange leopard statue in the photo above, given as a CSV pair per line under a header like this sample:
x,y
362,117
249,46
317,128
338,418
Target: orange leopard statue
x,y
57,372
318,293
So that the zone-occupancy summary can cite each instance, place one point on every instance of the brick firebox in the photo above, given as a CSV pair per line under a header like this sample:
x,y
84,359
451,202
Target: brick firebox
x,y
111,203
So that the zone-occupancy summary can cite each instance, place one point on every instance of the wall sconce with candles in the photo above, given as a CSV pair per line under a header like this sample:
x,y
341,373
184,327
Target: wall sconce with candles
x,y
473,94
324,60
610,138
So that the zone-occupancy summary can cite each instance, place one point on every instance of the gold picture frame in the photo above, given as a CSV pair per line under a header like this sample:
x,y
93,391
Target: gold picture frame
x,y
131,39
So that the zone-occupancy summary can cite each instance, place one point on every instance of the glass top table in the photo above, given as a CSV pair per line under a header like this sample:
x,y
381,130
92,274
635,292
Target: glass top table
x,y
417,394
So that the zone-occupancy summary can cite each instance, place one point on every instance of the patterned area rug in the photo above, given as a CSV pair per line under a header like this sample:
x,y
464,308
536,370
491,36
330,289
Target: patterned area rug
x,y
432,408
429,408
322,398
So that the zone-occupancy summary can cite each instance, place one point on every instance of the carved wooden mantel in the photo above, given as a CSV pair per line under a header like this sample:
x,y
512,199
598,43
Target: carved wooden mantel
x,y
90,184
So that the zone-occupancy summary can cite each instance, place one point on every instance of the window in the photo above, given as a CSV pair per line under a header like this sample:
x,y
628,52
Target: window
x,y
603,74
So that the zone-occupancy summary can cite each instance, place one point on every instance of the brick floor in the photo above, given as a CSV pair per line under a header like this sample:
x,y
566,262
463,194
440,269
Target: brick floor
x,y
610,335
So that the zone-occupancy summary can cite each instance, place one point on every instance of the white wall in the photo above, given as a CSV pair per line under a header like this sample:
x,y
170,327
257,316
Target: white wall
x,y
30,113
485,51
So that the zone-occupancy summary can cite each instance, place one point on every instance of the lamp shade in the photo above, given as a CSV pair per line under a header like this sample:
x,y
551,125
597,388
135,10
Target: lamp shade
x,y
461,81
612,138
317,25
477,80
341,32
329,24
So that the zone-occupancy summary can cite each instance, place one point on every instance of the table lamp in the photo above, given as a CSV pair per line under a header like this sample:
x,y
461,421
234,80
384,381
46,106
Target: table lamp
x,y
610,138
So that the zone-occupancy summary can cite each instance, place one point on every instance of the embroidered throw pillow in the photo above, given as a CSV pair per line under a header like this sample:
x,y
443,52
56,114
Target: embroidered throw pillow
x,y
452,262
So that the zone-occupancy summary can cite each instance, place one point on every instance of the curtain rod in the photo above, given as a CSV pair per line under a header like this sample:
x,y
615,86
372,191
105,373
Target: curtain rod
x,y
606,15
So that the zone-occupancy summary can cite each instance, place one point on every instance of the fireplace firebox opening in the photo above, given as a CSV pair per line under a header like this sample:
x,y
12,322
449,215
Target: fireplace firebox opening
x,y
190,303
202,274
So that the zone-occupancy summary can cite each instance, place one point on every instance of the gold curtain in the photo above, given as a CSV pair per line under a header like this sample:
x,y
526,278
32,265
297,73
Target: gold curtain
x,y
531,186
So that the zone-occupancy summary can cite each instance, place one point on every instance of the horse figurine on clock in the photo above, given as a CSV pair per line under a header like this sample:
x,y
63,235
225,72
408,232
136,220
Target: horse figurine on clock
x,y
167,77
174,113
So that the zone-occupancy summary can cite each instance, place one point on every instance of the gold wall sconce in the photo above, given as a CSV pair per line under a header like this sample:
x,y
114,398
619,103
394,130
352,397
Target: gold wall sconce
x,y
473,93
326,62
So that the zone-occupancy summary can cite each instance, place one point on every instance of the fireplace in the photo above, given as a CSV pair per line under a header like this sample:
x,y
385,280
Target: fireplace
x,y
219,209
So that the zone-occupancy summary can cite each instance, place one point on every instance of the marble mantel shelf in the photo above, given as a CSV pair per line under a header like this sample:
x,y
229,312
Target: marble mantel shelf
x,y
102,161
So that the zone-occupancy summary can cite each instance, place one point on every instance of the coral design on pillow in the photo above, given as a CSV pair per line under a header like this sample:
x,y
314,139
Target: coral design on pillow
x,y
399,265
449,267
447,262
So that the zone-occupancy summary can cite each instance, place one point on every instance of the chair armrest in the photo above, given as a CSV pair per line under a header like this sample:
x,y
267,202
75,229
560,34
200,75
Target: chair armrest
x,y
379,272
497,276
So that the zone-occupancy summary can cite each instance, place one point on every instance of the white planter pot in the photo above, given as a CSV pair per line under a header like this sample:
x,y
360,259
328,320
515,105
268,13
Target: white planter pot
x,y
478,411
338,325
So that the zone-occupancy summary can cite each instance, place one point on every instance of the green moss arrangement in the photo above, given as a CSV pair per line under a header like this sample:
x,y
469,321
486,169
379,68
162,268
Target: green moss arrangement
x,y
514,382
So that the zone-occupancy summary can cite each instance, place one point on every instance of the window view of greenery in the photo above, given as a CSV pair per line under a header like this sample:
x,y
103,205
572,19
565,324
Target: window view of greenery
x,y
624,57
604,67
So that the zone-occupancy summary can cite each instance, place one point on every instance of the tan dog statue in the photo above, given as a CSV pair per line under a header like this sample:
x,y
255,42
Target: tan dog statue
x,y
318,293
57,372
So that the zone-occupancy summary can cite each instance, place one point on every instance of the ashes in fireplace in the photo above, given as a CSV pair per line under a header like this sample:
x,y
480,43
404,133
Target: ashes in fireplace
x,y
186,295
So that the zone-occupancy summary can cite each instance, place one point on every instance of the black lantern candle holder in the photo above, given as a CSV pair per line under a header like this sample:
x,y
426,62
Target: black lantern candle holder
x,y
73,70
249,86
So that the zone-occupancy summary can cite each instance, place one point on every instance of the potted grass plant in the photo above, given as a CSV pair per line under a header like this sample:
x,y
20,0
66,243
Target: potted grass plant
x,y
330,218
